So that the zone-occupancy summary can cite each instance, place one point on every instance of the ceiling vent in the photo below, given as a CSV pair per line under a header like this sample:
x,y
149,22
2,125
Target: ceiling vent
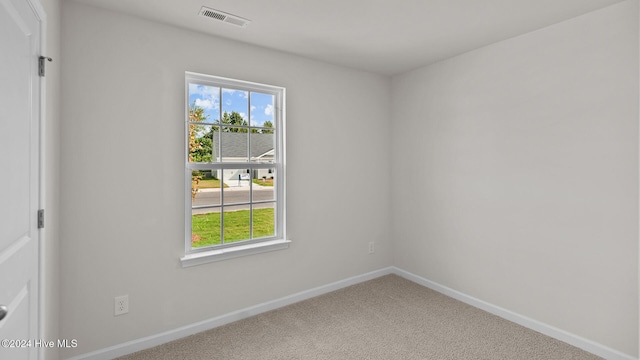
x,y
223,17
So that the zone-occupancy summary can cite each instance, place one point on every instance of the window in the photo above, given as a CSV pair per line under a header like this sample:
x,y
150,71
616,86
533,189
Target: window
x,y
234,168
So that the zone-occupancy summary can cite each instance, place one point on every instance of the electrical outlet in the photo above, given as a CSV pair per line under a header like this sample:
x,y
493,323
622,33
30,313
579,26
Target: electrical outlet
x,y
372,247
121,305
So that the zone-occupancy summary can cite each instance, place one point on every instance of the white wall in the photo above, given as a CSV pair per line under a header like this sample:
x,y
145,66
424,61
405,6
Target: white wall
x,y
50,295
121,172
524,186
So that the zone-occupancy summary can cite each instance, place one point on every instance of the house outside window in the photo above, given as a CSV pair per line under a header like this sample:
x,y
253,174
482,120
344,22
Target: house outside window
x,y
234,168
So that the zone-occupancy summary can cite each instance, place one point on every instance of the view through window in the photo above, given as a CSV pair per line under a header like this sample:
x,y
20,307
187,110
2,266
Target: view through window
x,y
234,172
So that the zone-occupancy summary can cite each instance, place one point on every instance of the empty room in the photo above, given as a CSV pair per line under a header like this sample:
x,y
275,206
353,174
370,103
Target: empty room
x,y
282,179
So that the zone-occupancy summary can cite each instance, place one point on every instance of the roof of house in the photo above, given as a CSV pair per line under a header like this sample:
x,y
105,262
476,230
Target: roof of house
x,y
234,145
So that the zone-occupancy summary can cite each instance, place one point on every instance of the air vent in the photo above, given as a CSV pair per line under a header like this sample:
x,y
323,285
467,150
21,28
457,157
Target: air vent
x,y
224,17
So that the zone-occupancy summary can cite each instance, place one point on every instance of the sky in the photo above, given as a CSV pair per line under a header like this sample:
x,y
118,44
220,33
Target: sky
x,y
208,97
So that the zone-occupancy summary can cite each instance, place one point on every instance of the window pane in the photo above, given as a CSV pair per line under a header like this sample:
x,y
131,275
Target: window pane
x,y
262,147
238,185
235,107
263,181
204,103
236,223
235,147
202,143
215,147
205,187
262,110
264,220
205,227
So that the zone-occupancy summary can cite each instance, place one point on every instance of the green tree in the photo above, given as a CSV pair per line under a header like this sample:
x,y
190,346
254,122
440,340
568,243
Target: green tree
x,y
197,147
200,144
204,152
232,119
267,124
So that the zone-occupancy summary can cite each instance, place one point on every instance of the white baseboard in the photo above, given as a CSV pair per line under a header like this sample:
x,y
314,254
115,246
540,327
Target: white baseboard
x,y
158,339
161,338
569,338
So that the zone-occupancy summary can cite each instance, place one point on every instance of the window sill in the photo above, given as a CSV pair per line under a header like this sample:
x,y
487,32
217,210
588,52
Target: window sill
x,y
233,252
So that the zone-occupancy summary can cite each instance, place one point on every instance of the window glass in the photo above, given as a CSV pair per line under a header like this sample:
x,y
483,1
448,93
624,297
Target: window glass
x,y
233,156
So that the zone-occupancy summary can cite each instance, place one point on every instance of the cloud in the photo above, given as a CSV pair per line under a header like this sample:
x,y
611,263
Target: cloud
x,y
206,97
268,110
204,91
205,104
238,93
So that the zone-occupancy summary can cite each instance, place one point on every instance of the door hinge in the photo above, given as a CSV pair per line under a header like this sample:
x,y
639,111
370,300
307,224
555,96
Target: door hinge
x,y
41,60
41,219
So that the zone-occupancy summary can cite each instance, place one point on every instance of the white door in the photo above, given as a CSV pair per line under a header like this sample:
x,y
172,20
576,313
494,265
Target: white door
x,y
19,179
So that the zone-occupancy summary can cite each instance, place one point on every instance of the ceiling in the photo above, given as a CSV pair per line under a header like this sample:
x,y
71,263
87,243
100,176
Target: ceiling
x,y
382,36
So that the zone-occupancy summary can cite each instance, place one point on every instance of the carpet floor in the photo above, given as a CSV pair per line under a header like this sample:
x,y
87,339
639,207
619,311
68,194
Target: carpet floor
x,y
387,318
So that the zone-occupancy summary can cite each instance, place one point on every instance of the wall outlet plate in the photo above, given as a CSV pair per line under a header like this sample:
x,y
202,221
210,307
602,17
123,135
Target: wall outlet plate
x,y
121,305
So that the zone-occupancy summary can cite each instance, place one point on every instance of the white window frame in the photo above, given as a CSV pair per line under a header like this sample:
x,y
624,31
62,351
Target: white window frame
x,y
196,256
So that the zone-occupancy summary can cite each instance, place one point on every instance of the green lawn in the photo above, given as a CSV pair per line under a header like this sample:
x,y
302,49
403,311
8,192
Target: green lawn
x,y
265,182
205,228
210,183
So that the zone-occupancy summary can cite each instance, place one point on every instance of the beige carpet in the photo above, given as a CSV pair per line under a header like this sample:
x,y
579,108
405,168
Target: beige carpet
x,y
386,318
